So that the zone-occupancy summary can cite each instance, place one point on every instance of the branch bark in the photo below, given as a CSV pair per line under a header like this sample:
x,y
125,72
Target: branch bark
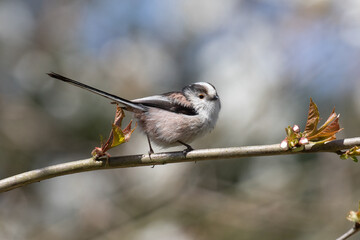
x,y
89,164
351,232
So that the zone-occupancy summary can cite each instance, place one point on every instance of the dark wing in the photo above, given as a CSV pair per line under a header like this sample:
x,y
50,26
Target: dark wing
x,y
173,102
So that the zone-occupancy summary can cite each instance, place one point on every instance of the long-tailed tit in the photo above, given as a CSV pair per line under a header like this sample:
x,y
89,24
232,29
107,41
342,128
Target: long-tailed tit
x,y
171,118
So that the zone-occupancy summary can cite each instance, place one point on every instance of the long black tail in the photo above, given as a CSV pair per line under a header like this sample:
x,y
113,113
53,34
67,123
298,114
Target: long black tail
x,y
99,92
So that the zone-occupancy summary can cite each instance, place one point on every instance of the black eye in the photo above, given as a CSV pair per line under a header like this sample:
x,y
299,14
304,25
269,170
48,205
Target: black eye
x,y
201,96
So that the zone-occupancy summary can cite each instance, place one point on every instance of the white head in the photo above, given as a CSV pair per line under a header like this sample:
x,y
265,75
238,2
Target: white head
x,y
204,98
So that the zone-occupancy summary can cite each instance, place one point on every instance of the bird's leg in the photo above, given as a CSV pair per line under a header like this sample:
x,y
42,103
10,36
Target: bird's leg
x,y
188,147
151,151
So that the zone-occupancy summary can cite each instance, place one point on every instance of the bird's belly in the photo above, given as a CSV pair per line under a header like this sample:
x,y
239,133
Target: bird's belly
x,y
167,128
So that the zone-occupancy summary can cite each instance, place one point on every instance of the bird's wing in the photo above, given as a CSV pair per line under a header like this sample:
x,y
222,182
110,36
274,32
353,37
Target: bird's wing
x,y
173,102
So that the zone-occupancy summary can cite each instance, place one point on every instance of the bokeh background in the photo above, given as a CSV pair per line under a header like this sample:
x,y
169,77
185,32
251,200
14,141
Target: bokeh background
x,y
266,58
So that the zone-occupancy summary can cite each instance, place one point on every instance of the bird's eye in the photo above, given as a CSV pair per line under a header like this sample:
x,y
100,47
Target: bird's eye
x,y
201,96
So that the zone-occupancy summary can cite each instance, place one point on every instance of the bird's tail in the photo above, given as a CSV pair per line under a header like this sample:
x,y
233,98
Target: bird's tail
x,y
110,96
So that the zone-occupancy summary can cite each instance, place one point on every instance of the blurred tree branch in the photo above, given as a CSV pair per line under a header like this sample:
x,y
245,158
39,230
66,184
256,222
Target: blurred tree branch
x,y
90,164
351,232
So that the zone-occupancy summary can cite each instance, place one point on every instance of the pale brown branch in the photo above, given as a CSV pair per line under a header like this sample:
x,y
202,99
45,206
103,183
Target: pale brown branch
x,y
26,178
351,232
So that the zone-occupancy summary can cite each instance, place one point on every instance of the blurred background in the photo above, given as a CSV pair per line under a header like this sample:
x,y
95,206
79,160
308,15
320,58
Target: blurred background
x,y
266,59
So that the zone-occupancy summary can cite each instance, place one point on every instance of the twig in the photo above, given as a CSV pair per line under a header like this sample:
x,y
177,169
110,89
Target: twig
x,y
38,175
351,232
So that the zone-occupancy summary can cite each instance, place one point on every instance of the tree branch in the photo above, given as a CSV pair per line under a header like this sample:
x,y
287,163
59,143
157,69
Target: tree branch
x,y
38,175
351,232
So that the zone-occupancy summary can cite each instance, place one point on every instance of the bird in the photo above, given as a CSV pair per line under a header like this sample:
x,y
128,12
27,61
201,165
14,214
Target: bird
x,y
172,118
